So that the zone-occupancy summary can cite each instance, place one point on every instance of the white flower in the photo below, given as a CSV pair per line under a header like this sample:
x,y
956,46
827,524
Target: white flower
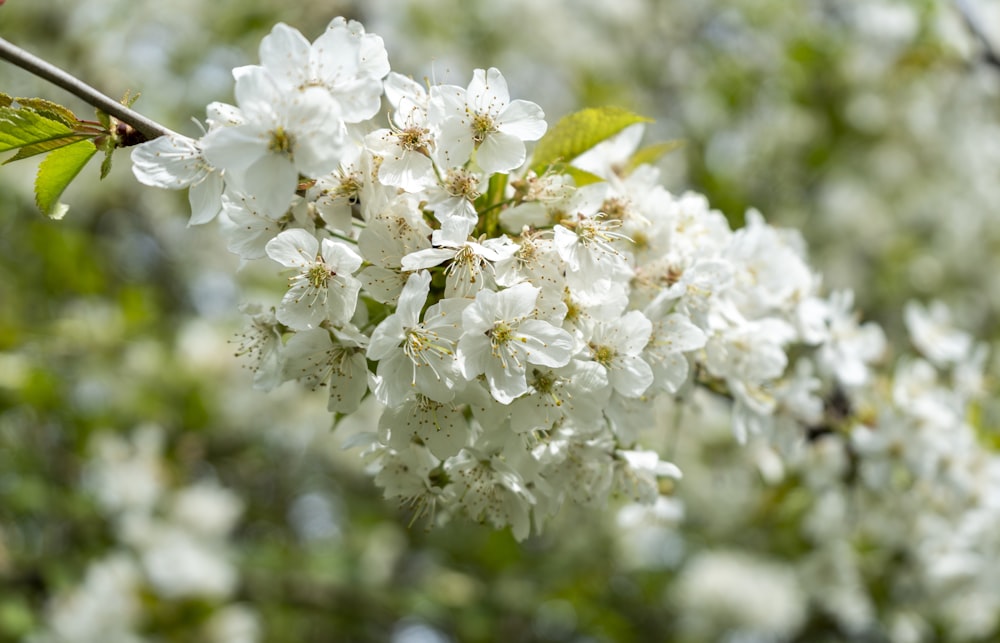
x,y
395,232
671,336
442,428
470,264
452,202
617,346
484,119
414,476
500,340
585,242
206,509
335,359
850,346
491,490
283,134
248,230
637,474
127,476
260,341
106,606
415,356
576,392
934,335
175,163
323,289
181,564
407,146
344,60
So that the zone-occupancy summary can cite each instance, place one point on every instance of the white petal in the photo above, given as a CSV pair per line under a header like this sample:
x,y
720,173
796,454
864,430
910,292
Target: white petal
x,y
631,376
523,119
385,339
426,258
348,385
340,257
410,171
206,199
544,344
301,308
412,299
257,95
285,53
342,299
273,180
169,162
234,148
500,152
293,248
516,301
488,93
634,329
506,383
454,143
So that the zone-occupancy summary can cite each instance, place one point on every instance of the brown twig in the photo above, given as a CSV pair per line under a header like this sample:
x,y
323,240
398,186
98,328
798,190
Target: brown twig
x,y
968,17
148,128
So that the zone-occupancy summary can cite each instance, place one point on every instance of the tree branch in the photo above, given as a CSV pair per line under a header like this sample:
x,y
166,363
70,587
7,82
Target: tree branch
x,y
968,17
149,129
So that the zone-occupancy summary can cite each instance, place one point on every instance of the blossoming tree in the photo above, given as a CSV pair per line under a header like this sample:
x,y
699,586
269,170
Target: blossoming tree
x,y
518,305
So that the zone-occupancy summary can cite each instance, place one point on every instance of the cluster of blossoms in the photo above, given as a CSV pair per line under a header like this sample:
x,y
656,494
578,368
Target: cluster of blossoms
x,y
884,518
515,323
172,550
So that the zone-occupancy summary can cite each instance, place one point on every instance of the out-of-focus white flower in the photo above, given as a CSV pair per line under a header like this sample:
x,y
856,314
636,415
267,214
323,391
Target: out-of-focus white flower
x,y
934,335
726,593
105,607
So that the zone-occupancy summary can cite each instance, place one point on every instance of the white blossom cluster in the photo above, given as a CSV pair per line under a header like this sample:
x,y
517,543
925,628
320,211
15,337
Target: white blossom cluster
x,y
514,325
885,516
172,547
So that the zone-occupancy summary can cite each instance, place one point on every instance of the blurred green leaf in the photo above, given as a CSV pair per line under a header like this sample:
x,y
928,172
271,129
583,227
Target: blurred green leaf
x,y
652,154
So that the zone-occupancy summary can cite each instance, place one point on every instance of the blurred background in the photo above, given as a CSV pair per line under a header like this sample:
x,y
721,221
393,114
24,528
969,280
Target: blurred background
x,y
147,492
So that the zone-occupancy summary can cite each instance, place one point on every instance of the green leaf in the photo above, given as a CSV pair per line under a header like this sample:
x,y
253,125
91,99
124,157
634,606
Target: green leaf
x,y
578,132
108,147
129,98
50,110
104,119
652,153
20,127
580,177
45,146
56,172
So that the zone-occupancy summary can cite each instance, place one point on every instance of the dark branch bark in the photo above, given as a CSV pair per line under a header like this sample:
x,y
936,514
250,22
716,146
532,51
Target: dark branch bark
x,y
989,55
13,54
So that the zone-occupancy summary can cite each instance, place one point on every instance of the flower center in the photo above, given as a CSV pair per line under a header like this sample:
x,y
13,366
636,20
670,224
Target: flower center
x,y
501,333
462,183
482,124
281,142
603,355
349,187
318,275
615,208
414,139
